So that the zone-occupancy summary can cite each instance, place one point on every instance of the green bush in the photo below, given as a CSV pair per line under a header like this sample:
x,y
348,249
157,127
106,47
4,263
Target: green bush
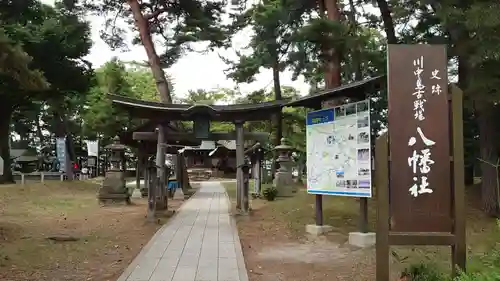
x,y
485,268
490,270
480,276
423,272
270,193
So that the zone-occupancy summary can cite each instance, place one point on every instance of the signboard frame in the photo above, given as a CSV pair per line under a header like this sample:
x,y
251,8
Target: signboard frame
x,y
397,224
334,116
61,153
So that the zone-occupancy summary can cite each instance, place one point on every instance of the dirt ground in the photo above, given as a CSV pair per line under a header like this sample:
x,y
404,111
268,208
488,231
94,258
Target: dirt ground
x,y
108,238
276,246
275,252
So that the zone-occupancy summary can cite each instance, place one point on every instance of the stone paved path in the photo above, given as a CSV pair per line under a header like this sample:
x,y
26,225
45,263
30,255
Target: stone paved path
x,y
200,243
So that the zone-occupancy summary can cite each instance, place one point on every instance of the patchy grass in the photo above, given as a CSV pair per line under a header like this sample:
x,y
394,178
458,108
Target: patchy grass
x,y
298,211
287,217
108,238
231,190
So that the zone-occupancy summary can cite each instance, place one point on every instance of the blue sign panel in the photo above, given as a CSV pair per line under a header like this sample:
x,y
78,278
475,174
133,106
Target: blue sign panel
x,y
320,117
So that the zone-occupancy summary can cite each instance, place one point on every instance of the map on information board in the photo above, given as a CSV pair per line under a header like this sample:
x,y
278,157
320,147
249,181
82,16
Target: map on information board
x,y
339,150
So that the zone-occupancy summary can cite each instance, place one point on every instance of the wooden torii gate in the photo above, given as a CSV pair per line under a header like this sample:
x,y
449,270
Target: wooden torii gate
x,y
202,115
147,148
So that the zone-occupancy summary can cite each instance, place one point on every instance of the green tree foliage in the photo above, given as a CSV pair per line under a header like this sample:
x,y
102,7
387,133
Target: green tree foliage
x,y
142,83
101,119
272,23
56,39
218,96
177,23
14,63
470,29
360,45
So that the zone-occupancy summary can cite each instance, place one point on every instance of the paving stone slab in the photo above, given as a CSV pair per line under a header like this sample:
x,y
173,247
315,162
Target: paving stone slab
x,y
200,243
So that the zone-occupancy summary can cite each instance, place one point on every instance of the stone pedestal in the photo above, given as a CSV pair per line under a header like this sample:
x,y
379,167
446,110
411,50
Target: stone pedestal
x,y
113,188
283,181
362,240
318,229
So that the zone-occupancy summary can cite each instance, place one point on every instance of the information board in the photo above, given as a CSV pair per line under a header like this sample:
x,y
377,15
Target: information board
x,y
61,153
339,150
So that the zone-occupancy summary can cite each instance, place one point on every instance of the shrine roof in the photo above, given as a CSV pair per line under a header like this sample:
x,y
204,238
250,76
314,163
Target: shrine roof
x,y
232,112
358,90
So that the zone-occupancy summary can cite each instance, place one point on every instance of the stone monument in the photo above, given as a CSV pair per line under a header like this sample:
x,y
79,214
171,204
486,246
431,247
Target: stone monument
x,y
113,188
283,181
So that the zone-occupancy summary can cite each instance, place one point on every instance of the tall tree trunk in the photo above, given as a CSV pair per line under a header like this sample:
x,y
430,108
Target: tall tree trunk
x,y
332,64
154,60
278,121
161,84
489,159
355,55
277,96
463,74
385,12
5,119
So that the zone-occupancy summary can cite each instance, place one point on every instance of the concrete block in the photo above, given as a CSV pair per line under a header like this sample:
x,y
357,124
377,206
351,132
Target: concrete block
x,y
362,240
318,229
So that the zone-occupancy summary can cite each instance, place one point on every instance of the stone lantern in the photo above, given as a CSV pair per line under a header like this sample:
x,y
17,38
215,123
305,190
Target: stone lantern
x,y
113,188
283,181
116,155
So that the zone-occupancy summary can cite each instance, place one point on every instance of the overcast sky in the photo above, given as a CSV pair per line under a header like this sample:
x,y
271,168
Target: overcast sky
x,y
194,70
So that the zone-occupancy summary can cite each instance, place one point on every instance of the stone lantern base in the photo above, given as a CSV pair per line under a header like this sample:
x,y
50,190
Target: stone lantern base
x,y
113,188
283,182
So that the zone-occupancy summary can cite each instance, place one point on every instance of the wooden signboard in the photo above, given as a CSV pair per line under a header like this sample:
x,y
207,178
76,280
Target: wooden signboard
x,y
420,161
419,136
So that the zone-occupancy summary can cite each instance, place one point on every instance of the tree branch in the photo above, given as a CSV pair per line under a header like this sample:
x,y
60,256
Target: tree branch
x,y
155,13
